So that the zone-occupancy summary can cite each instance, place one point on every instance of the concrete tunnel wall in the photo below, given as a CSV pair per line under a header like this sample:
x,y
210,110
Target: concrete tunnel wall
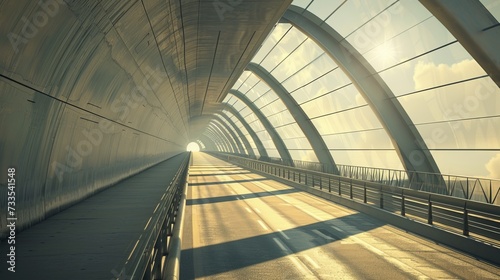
x,y
85,100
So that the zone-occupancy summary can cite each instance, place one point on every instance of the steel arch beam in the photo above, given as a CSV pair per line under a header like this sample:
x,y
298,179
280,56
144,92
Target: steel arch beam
x,y
223,133
278,142
220,140
310,132
251,132
204,136
218,119
215,146
221,145
474,27
224,136
209,144
243,138
407,141
200,144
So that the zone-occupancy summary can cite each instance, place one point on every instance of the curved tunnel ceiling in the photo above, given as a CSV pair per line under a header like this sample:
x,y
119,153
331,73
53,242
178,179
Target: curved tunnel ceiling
x,y
95,91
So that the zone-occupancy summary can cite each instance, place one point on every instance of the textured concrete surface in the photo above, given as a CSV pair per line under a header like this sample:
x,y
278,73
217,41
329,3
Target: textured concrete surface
x,y
92,239
240,225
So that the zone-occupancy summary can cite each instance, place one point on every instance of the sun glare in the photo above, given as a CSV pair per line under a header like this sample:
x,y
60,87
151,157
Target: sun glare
x,y
193,147
386,53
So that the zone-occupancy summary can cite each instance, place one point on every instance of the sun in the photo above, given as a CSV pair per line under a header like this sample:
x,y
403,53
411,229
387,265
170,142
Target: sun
x,y
386,54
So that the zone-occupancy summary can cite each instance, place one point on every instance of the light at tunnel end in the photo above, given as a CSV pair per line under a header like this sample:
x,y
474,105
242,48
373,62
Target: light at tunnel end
x,y
193,147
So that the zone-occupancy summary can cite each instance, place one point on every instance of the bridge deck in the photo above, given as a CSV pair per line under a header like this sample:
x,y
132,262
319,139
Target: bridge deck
x,y
240,225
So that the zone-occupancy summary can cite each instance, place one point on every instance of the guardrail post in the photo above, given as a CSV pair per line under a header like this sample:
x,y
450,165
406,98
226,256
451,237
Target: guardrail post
x,y
468,195
429,211
299,178
329,184
466,220
157,259
403,210
364,192
350,189
381,198
306,178
320,183
491,194
340,189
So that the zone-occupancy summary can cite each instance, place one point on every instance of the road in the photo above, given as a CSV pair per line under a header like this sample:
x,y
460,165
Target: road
x,y
241,225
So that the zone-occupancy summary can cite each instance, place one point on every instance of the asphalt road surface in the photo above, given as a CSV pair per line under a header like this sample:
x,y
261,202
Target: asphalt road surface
x,y
240,225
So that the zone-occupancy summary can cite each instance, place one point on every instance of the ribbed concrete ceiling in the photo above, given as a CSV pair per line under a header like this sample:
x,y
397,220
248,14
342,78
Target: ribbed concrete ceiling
x,y
215,41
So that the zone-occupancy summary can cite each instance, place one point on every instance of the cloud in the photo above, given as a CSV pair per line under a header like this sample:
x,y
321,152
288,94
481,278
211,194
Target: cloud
x,y
493,167
429,74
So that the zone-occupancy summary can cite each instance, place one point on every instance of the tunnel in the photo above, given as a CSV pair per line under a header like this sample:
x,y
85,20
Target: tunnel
x,y
92,93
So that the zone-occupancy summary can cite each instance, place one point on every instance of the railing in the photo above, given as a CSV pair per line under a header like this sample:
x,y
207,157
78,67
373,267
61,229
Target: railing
x,y
156,253
469,218
470,188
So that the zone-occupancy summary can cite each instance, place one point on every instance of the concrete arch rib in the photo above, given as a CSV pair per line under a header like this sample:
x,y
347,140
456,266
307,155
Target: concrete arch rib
x,y
407,141
223,141
231,133
251,132
209,144
206,136
315,140
474,27
208,139
238,131
224,134
278,142
200,144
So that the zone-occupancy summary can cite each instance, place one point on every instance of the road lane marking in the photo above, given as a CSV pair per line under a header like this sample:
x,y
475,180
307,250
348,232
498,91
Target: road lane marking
x,y
301,266
281,245
283,234
311,261
337,229
399,264
248,210
304,210
262,225
322,234
257,210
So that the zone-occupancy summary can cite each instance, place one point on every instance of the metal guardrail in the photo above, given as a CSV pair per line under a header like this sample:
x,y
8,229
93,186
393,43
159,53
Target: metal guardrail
x,y
470,188
153,253
469,218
